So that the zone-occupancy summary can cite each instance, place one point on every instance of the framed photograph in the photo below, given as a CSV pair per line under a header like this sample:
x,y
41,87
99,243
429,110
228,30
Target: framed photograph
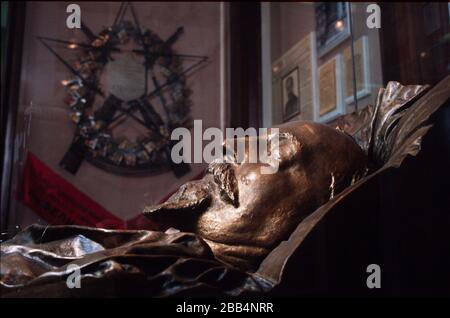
x,y
332,25
294,77
361,61
330,98
290,88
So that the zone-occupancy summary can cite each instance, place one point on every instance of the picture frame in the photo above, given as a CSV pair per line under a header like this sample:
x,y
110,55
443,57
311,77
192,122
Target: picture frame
x,y
330,102
332,25
290,88
301,56
362,70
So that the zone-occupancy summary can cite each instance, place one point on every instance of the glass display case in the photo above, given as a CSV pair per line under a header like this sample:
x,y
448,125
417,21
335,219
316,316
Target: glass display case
x,y
94,96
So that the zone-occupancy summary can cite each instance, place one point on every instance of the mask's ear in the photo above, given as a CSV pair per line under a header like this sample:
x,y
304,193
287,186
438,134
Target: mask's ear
x,y
191,197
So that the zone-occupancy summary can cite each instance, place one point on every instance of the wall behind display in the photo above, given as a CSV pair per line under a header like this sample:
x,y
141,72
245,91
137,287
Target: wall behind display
x,y
50,130
292,22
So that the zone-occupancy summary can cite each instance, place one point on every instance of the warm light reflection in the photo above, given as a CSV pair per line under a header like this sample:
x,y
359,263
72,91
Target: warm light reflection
x,y
339,25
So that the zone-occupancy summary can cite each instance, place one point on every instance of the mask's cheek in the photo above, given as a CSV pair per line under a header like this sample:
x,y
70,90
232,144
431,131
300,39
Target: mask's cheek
x,y
255,187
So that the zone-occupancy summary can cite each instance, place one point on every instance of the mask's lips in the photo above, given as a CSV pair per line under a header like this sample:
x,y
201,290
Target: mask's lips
x,y
182,209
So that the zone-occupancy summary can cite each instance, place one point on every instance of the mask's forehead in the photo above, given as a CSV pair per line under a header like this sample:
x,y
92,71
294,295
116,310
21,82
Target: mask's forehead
x,y
272,148
288,147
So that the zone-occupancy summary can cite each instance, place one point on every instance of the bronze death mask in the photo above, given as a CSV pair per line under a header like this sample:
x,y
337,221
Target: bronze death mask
x,y
243,214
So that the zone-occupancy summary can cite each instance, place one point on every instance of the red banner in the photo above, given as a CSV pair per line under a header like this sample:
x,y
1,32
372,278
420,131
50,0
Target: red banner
x,y
58,202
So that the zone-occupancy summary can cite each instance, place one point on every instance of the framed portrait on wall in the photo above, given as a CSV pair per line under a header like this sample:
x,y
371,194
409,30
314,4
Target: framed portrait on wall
x,y
330,100
332,25
361,61
294,81
291,94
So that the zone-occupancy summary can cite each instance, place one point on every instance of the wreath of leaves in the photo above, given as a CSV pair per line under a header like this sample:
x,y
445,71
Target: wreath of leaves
x,y
149,152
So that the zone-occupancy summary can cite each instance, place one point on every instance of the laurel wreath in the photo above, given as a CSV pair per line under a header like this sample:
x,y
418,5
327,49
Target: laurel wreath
x,y
149,152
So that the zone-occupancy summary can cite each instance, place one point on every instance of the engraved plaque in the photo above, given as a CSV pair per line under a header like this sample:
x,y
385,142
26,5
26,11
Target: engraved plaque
x,y
125,77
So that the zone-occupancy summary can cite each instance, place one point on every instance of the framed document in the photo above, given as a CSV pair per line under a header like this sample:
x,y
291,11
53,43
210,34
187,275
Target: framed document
x,y
361,59
330,102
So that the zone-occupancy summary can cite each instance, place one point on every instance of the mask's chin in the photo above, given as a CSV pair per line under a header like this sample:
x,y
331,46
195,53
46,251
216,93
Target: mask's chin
x,y
181,210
